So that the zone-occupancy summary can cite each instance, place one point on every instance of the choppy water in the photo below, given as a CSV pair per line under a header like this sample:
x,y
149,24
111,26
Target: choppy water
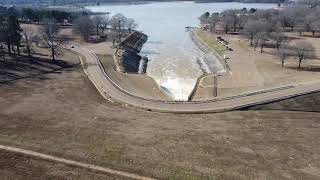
x,y
169,48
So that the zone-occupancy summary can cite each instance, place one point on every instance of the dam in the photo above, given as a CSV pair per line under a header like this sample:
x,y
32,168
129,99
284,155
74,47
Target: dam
x,y
173,58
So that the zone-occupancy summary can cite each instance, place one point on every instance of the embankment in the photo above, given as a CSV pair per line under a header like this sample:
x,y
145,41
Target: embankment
x,y
211,63
139,84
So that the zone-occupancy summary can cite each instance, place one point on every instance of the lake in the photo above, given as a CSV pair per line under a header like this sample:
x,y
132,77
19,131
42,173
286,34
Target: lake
x,y
172,55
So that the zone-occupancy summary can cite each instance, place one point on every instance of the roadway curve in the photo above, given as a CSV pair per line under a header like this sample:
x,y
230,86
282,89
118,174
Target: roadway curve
x,y
111,91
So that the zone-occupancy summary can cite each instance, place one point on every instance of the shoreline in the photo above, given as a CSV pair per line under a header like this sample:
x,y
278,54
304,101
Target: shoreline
x,y
127,2
203,46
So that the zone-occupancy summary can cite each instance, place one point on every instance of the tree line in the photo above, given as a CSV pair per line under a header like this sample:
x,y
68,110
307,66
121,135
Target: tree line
x,y
15,32
265,27
36,15
14,35
116,27
72,2
10,32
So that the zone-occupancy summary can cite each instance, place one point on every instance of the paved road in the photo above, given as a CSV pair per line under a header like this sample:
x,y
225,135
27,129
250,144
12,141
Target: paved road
x,y
109,90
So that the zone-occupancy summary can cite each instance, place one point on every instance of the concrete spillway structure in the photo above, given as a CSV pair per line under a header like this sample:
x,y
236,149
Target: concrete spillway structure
x,y
127,55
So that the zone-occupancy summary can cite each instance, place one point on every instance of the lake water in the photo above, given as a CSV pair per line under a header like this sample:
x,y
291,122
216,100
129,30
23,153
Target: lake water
x,y
172,55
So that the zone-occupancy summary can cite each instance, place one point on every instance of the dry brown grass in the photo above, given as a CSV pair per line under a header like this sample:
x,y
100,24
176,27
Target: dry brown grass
x,y
269,66
252,70
17,166
64,115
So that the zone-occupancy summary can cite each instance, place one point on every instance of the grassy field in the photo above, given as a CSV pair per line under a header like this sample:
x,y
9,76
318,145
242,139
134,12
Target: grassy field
x,y
211,42
62,114
17,166
253,71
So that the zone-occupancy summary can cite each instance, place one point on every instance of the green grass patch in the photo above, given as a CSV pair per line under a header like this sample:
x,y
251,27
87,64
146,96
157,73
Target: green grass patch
x,y
211,42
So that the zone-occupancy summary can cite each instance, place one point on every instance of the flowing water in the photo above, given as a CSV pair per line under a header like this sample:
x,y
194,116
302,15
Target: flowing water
x,y
171,52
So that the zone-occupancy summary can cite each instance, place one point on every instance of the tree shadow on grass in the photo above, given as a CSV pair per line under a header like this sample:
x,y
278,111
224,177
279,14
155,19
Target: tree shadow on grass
x,y
310,69
40,54
18,67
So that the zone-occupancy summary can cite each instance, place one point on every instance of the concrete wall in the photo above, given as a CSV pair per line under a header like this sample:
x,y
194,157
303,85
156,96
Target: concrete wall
x,y
129,61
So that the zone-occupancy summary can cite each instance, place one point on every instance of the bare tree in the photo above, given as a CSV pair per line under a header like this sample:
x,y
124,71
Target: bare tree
x,y
204,18
226,23
315,26
229,20
262,28
283,53
118,23
267,14
303,50
84,26
131,25
262,39
302,20
105,23
97,21
251,29
50,34
114,36
300,28
315,21
309,3
213,21
307,22
3,35
242,19
256,41
29,34
278,37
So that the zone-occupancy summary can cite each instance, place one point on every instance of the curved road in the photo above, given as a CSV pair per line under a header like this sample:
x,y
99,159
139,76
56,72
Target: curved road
x,y
111,91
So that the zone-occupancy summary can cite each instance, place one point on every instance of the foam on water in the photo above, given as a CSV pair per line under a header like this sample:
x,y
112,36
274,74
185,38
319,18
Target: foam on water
x,y
179,89
175,68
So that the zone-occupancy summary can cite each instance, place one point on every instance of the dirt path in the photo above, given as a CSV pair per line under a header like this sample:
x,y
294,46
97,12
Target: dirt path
x,y
73,163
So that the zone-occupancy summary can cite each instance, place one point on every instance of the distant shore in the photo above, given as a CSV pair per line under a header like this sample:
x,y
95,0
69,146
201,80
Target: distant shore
x,y
83,3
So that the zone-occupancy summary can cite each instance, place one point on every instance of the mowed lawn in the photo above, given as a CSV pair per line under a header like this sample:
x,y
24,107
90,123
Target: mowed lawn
x,y
62,114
